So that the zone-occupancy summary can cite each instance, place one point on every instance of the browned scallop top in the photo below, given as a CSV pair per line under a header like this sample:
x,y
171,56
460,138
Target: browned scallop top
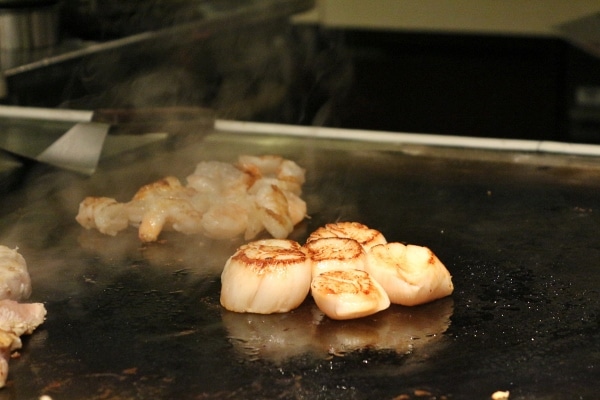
x,y
353,230
334,248
271,255
166,186
343,282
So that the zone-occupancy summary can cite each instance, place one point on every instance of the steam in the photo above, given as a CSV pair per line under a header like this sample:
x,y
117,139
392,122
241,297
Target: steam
x,y
268,71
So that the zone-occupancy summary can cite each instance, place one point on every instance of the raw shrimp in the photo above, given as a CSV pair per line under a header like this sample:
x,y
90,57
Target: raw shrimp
x,y
219,178
292,175
164,204
279,210
103,213
220,200
260,166
297,208
227,219
286,174
273,211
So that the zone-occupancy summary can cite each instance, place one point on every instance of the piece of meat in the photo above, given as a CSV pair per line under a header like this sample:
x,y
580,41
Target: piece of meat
x,y
16,319
15,283
21,318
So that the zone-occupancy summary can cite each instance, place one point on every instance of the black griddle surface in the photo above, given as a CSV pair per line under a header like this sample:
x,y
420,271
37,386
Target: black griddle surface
x,y
127,320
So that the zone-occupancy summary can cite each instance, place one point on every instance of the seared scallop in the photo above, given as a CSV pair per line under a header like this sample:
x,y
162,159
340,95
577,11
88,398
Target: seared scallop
x,y
335,253
266,276
348,294
364,235
410,274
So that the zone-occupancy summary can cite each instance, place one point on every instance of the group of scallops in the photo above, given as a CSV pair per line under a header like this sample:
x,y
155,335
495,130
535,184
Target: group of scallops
x,y
350,270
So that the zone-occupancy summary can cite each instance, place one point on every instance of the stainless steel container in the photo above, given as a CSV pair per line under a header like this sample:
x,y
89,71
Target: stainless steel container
x,y
28,24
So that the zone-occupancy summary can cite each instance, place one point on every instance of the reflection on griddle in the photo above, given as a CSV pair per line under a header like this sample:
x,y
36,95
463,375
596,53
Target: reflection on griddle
x,y
174,250
306,330
276,337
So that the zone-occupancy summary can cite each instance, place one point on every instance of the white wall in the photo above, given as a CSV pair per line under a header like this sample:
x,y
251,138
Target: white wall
x,y
520,17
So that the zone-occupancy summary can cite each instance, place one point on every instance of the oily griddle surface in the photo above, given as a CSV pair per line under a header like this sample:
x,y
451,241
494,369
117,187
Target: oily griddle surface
x,y
129,320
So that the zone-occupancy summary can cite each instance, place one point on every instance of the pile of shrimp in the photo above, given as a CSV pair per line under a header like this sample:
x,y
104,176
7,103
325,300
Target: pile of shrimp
x,y
219,200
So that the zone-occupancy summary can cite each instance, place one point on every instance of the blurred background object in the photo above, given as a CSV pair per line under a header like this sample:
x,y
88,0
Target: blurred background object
x,y
474,68
28,24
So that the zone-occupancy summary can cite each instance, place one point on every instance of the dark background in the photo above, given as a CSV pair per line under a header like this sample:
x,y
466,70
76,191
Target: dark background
x,y
504,86
473,85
